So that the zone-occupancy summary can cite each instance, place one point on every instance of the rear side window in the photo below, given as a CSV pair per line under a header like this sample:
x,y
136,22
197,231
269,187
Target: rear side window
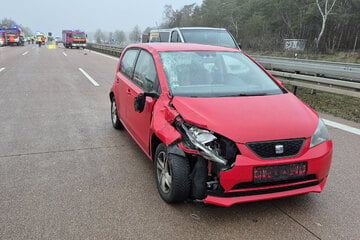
x,y
128,62
145,75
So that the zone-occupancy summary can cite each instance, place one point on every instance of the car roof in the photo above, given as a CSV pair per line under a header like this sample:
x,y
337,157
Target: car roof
x,y
200,28
160,30
164,47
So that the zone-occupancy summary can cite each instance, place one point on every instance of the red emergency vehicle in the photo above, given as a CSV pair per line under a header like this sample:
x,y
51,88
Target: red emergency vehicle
x,y
14,36
3,38
74,38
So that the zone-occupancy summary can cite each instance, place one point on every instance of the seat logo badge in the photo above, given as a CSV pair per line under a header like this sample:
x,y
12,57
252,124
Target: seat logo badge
x,y
279,149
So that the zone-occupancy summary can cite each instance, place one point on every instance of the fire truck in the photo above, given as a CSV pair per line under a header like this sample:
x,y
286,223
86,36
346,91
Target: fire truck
x,y
3,38
40,38
74,38
14,36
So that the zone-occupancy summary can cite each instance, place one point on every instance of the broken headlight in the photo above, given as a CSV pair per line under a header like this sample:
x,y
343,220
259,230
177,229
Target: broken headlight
x,y
203,140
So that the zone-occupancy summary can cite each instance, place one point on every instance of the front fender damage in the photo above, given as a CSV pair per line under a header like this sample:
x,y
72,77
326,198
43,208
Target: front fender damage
x,y
162,122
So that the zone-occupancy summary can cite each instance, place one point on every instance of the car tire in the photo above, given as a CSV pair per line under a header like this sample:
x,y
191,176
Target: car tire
x,y
172,175
114,115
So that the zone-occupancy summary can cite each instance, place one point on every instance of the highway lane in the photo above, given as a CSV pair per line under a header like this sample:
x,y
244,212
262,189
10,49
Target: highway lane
x,y
67,174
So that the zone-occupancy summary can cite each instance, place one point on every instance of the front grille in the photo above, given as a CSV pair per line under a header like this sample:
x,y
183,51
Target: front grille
x,y
277,149
79,41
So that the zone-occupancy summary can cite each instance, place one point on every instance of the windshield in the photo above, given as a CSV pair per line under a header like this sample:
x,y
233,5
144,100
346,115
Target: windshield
x,y
215,74
11,31
78,35
209,36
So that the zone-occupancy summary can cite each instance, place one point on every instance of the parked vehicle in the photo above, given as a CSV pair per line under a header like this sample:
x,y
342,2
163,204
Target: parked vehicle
x,y
74,38
14,36
159,35
203,35
57,40
40,38
219,128
3,38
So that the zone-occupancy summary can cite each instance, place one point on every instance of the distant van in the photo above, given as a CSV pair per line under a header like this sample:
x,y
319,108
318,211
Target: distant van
x,y
159,35
203,35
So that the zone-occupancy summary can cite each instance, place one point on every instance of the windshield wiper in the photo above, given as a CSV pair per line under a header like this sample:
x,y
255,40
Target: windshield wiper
x,y
252,94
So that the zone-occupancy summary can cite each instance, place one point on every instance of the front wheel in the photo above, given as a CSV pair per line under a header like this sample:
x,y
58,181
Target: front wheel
x,y
172,175
114,115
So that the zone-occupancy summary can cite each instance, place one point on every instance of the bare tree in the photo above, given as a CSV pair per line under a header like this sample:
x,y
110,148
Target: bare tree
x,y
120,36
7,22
324,14
99,36
110,37
135,35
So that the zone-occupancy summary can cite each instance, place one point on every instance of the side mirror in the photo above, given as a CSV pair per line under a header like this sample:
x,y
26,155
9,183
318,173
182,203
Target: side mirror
x,y
139,101
239,45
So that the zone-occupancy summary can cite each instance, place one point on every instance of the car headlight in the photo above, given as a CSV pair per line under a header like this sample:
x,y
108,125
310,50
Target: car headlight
x,y
321,135
200,138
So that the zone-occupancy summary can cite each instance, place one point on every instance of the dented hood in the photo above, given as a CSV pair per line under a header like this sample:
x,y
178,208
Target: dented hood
x,y
251,118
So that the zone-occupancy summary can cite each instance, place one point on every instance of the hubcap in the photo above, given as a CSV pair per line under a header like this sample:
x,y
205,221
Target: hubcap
x,y
163,172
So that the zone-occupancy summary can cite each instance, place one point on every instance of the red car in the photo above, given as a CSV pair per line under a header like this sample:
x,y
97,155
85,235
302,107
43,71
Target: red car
x,y
218,127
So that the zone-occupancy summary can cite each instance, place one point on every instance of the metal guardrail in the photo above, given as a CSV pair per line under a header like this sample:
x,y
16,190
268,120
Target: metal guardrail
x,y
342,78
114,50
335,70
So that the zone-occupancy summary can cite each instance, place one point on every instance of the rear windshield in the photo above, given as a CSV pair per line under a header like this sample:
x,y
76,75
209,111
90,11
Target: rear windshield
x,y
216,37
215,74
159,37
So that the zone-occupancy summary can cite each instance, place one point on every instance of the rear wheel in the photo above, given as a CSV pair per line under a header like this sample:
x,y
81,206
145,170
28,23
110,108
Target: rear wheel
x,y
172,175
114,115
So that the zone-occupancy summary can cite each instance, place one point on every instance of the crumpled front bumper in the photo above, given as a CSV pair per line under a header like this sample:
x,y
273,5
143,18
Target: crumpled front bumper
x,y
238,185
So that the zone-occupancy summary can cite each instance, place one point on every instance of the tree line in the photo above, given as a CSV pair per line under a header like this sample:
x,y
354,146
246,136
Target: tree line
x,y
326,25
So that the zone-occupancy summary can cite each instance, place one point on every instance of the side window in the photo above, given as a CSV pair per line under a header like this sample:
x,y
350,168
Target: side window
x,y
145,75
175,37
128,62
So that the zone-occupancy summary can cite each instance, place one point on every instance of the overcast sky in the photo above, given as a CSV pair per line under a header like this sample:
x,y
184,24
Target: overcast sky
x,y
88,15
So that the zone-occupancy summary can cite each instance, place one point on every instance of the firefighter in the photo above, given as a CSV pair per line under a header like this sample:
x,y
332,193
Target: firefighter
x,y
32,39
28,39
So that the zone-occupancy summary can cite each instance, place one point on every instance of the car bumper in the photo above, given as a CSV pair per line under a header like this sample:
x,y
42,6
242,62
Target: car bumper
x,y
78,44
238,185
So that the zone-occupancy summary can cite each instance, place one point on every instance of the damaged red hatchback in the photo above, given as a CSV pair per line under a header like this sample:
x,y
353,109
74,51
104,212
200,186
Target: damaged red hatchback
x,y
218,127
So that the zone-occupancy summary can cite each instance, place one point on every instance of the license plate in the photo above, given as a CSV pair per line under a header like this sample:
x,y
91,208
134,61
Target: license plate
x,y
282,172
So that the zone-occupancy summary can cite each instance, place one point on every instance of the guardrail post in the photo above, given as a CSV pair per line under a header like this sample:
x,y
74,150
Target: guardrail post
x,y
295,89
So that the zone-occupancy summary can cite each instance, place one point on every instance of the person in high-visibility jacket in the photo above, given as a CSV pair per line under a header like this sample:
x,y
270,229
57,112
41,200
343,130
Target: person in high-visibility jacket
x,y
39,40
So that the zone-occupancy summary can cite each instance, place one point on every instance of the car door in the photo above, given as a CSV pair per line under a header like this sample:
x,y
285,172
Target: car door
x,y
145,79
123,79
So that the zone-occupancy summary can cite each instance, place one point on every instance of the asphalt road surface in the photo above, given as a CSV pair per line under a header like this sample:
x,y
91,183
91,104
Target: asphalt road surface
x,y
66,173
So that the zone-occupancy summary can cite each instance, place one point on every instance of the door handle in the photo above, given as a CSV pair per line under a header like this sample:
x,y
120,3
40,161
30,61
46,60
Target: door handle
x,y
128,91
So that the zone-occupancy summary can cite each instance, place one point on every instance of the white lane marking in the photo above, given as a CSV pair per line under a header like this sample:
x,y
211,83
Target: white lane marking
x,y
104,55
25,53
342,127
88,77
65,54
2,69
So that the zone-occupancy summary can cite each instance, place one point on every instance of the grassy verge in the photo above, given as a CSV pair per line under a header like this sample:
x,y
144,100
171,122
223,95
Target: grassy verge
x,y
335,104
347,57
